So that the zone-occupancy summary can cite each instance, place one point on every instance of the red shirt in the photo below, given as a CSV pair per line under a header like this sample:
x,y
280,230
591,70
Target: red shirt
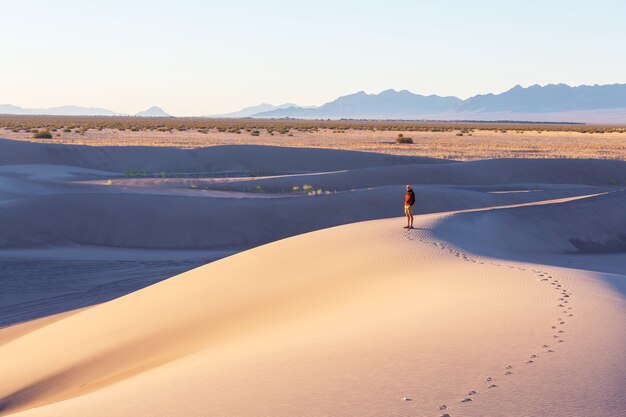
x,y
409,198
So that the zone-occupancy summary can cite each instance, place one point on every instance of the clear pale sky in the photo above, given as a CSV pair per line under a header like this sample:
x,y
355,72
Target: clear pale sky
x,y
205,57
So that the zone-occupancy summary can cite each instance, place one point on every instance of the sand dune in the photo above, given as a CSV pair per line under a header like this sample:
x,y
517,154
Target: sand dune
x,y
365,319
568,228
58,198
488,172
72,201
152,221
475,313
249,158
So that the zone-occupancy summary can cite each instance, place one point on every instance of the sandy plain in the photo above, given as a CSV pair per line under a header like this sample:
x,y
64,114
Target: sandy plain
x,y
479,144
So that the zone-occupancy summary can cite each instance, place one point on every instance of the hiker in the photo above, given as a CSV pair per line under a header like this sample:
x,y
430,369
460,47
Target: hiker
x,y
409,200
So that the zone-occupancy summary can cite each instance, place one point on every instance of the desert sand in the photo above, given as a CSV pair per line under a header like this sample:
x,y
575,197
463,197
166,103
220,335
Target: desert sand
x,y
482,143
508,299
363,319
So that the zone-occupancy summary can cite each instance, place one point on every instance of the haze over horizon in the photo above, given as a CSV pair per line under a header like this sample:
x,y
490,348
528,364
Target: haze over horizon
x,y
197,58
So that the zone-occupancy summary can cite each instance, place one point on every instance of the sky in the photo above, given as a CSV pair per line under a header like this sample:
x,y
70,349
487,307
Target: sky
x,y
194,57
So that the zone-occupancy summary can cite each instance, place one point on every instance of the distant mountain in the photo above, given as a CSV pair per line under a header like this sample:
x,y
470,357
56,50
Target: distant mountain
x,y
57,111
553,102
153,111
251,111
389,104
552,98
550,103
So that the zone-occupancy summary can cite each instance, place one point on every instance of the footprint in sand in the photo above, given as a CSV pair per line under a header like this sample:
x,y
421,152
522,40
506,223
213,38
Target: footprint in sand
x,y
530,361
492,386
508,373
549,351
443,407
471,392
466,400
509,367
489,379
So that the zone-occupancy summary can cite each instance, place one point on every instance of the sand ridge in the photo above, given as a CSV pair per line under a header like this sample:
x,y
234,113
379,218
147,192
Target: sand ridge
x,y
308,351
57,199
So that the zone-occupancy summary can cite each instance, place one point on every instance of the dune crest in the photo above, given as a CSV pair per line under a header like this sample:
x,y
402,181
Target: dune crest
x,y
364,319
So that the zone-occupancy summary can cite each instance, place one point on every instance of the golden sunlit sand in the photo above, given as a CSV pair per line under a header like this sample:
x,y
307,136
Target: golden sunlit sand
x,y
506,299
312,209
361,319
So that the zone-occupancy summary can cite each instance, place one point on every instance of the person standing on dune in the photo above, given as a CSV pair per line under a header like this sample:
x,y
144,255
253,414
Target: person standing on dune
x,y
409,200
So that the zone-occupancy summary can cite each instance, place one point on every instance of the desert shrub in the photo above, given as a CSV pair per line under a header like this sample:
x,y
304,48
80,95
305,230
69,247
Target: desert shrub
x,y
42,134
255,133
403,139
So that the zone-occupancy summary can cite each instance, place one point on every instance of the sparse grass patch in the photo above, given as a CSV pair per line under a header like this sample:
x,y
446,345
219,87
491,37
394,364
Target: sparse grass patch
x,y
42,134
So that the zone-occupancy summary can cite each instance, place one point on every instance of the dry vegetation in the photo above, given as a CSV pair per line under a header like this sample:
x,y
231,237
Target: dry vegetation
x,y
455,140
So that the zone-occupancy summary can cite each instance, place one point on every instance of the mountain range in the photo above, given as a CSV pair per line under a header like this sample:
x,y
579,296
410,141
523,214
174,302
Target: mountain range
x,y
153,111
77,111
549,103
252,110
553,103
388,104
